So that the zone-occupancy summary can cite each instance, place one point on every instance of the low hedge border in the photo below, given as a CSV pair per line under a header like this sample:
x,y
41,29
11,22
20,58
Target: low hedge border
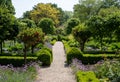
x,y
73,53
87,58
15,61
99,52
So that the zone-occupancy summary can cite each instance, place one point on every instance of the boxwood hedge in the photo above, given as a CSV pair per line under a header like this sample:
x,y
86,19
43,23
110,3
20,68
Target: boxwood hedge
x,y
87,76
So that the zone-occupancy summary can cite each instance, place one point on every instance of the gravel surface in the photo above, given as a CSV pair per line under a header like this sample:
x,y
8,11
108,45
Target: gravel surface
x,y
58,71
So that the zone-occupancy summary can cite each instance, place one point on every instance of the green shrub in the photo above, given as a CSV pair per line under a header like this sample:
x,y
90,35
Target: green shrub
x,y
40,45
53,42
44,56
86,76
47,25
15,61
109,69
73,43
94,58
49,50
99,52
73,53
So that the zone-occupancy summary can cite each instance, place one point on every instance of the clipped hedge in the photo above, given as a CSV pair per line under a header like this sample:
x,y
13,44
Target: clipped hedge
x,y
99,52
73,53
45,56
88,76
15,61
94,58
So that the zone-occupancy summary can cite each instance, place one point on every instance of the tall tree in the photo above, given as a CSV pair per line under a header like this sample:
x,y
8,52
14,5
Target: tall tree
x,y
8,5
64,15
109,3
6,24
111,16
96,25
42,10
86,8
30,37
81,33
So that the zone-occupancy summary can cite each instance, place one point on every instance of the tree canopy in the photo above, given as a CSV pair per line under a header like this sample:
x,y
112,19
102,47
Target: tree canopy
x,y
42,10
81,33
47,25
7,21
86,8
8,5
30,37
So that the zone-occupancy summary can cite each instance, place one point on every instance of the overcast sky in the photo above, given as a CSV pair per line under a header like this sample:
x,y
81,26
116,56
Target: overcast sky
x,y
25,5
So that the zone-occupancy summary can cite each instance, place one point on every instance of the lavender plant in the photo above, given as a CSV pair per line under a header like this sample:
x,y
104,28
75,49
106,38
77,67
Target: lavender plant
x,y
19,74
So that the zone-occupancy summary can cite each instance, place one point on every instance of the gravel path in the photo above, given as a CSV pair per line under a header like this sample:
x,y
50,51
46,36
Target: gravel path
x,y
58,71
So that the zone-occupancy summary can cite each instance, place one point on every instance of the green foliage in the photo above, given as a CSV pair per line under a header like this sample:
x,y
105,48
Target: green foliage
x,y
49,38
45,56
42,10
61,37
94,58
47,25
81,33
6,25
16,47
109,3
71,23
49,50
7,4
28,23
72,54
15,60
15,75
104,12
109,69
53,42
63,15
31,36
7,20
86,8
88,76
96,25
73,43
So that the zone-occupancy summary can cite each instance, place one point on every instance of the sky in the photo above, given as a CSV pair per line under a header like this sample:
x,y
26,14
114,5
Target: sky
x,y
25,5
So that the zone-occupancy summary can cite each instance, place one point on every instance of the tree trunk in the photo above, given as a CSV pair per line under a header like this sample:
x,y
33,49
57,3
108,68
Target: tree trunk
x,y
25,50
82,46
101,43
32,49
1,47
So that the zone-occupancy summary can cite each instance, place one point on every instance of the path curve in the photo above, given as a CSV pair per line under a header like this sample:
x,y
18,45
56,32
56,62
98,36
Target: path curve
x,y
58,71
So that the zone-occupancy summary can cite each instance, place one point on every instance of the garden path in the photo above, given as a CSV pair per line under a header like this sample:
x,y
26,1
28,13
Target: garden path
x,y
58,71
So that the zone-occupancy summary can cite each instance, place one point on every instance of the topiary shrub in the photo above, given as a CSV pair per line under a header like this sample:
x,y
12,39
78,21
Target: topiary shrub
x,y
73,53
49,50
44,56
86,76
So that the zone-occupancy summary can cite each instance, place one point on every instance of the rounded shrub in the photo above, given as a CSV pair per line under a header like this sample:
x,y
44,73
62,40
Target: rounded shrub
x,y
47,25
44,56
50,51
73,53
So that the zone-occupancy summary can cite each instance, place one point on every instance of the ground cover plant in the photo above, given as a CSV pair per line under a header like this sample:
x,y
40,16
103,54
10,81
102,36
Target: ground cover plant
x,y
105,70
88,76
26,73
